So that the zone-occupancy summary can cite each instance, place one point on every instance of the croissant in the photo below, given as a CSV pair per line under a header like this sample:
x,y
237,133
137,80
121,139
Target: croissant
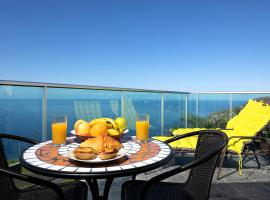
x,y
99,143
111,143
95,143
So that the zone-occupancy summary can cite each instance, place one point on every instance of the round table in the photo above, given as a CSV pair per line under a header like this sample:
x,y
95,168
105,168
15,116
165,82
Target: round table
x,y
46,159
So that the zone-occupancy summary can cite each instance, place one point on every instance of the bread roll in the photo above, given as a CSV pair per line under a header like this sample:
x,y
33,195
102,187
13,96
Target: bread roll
x,y
108,153
85,156
84,153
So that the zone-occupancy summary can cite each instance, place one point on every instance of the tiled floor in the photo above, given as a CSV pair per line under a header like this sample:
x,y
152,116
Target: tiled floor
x,y
253,184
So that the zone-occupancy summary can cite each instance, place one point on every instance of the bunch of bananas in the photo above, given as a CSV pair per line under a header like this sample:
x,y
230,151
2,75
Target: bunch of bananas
x,y
115,127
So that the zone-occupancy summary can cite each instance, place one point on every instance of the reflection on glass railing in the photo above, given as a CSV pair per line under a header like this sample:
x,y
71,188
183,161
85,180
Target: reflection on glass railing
x,y
143,102
82,104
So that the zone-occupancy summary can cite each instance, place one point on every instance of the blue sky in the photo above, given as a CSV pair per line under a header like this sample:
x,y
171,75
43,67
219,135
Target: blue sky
x,y
167,45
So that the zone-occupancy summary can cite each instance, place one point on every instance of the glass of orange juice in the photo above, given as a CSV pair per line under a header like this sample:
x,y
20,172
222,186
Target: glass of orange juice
x,y
59,130
142,127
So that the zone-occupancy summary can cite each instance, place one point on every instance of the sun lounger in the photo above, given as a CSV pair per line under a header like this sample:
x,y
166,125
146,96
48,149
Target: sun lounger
x,y
241,130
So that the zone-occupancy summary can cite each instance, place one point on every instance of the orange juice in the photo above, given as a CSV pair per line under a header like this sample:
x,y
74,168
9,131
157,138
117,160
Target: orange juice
x,y
142,130
59,133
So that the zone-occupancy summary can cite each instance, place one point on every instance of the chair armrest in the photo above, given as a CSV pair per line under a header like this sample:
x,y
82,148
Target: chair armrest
x,y
244,137
18,138
178,137
35,180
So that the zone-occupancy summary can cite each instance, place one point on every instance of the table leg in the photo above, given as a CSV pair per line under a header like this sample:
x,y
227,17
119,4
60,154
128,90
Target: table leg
x,y
108,184
93,185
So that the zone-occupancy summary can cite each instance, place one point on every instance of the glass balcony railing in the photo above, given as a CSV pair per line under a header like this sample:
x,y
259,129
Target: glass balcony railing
x,y
26,109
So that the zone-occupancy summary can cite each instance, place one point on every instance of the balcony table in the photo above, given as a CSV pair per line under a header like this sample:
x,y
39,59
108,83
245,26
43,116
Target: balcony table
x,y
48,160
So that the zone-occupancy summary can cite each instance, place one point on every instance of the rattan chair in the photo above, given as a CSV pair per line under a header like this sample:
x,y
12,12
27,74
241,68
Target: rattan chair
x,y
209,146
46,189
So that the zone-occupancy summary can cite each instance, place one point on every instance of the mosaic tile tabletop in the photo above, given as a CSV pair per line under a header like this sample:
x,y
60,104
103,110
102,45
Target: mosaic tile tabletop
x,y
46,156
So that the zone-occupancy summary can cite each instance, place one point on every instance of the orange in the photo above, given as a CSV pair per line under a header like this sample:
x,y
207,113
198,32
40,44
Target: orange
x,y
98,129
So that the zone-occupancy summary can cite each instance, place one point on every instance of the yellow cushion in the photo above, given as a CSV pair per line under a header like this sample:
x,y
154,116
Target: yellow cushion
x,y
185,143
251,120
181,131
236,145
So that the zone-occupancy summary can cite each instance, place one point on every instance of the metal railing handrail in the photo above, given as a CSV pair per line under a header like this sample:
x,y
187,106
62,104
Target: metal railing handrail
x,y
261,92
73,86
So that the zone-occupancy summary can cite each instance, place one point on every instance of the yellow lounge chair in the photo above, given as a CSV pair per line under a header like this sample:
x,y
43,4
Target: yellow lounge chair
x,y
241,130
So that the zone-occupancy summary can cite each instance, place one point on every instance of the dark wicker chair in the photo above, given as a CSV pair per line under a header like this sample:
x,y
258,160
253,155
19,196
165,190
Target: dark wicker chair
x,y
46,189
209,146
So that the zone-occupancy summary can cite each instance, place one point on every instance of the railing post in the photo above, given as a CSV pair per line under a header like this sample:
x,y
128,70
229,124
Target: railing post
x,y
179,108
186,111
162,113
44,114
197,110
230,105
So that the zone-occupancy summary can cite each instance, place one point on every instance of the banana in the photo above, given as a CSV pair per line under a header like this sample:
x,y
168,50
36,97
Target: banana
x,y
110,123
113,132
98,121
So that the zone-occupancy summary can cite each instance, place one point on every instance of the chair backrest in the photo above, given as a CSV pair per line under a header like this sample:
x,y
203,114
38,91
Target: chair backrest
x,y
200,177
251,119
7,187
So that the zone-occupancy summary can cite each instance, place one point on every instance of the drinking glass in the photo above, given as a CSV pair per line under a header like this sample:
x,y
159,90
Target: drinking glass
x,y
142,127
59,130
